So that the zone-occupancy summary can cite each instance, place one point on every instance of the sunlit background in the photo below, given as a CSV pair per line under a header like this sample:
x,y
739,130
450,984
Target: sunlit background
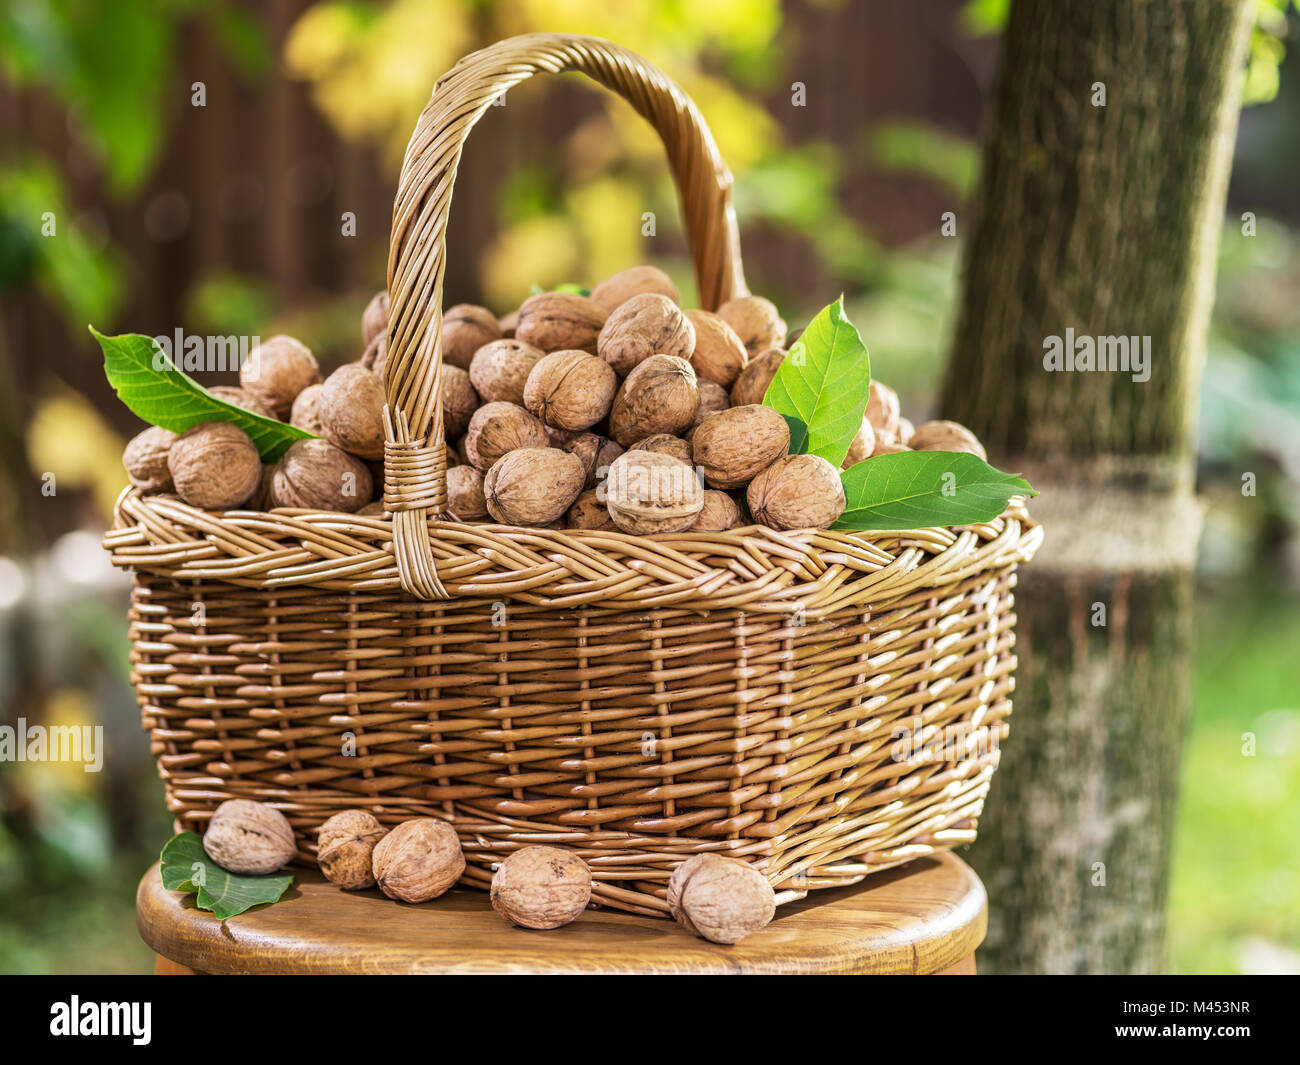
x,y
199,160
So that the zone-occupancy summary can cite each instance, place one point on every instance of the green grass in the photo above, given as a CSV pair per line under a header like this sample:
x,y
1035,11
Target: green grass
x,y
1235,892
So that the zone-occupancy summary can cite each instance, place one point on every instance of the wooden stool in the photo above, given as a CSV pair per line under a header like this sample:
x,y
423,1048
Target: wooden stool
x,y
924,917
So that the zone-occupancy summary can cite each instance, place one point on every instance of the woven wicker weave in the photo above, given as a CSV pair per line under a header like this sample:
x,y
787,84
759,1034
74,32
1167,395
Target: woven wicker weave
x,y
822,704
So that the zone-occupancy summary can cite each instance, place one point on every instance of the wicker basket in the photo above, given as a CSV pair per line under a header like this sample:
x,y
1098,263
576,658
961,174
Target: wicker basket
x,y
822,704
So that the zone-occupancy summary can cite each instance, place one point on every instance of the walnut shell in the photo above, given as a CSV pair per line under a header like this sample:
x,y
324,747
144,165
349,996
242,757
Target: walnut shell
x,y
797,492
241,397
215,466
465,501
374,319
884,447
508,322
665,444
249,837
618,288
720,513
863,445
649,492
306,410
345,846
497,428
499,370
318,475
589,512
659,396
735,444
541,887
903,435
459,401
945,436
648,324
570,389
721,899
756,321
719,353
418,860
883,410
466,327
751,385
560,321
713,398
533,486
351,406
145,459
596,454
375,357
277,370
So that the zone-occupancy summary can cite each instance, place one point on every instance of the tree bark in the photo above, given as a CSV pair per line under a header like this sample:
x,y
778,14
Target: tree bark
x,y
1101,218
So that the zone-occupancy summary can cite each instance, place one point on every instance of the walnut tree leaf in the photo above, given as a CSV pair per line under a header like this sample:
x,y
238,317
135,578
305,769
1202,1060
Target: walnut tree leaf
x,y
187,867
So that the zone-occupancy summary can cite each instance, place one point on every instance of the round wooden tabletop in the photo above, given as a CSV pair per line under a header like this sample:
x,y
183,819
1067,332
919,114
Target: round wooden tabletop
x,y
925,917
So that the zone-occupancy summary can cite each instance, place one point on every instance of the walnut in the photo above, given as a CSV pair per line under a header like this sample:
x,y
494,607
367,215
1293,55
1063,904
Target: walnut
x,y
945,436
756,321
720,513
882,411
351,406
374,319
305,414
618,288
649,492
713,398
249,837
595,452
719,353
242,398
905,431
345,847
659,396
589,512
884,447
465,500
466,328
277,370
261,499
570,389
497,428
533,485
665,444
751,385
499,370
215,466
863,445
508,322
375,357
721,899
797,492
145,459
541,887
418,860
459,401
645,325
560,321
317,475
373,510
735,444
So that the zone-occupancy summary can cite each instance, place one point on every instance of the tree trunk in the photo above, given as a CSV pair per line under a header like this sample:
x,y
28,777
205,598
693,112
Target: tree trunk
x,y
1101,215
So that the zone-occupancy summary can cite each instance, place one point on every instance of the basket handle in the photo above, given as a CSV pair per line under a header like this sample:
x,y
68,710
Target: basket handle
x,y
415,453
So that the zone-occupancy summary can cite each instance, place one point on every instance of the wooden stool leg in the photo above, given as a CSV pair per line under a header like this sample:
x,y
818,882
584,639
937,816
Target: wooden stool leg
x,y
965,967
166,967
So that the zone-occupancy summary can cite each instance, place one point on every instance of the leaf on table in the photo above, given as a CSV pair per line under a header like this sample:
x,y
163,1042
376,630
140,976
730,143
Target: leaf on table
x,y
921,489
821,387
161,393
187,867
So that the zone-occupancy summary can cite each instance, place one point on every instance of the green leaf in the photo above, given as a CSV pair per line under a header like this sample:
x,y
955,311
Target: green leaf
x,y
822,385
164,395
187,867
920,489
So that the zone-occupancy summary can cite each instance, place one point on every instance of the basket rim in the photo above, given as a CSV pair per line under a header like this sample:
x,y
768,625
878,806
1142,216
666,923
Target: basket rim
x,y
754,567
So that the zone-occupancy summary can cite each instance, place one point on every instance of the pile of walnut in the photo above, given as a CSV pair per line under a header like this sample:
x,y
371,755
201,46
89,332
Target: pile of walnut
x,y
721,899
618,411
